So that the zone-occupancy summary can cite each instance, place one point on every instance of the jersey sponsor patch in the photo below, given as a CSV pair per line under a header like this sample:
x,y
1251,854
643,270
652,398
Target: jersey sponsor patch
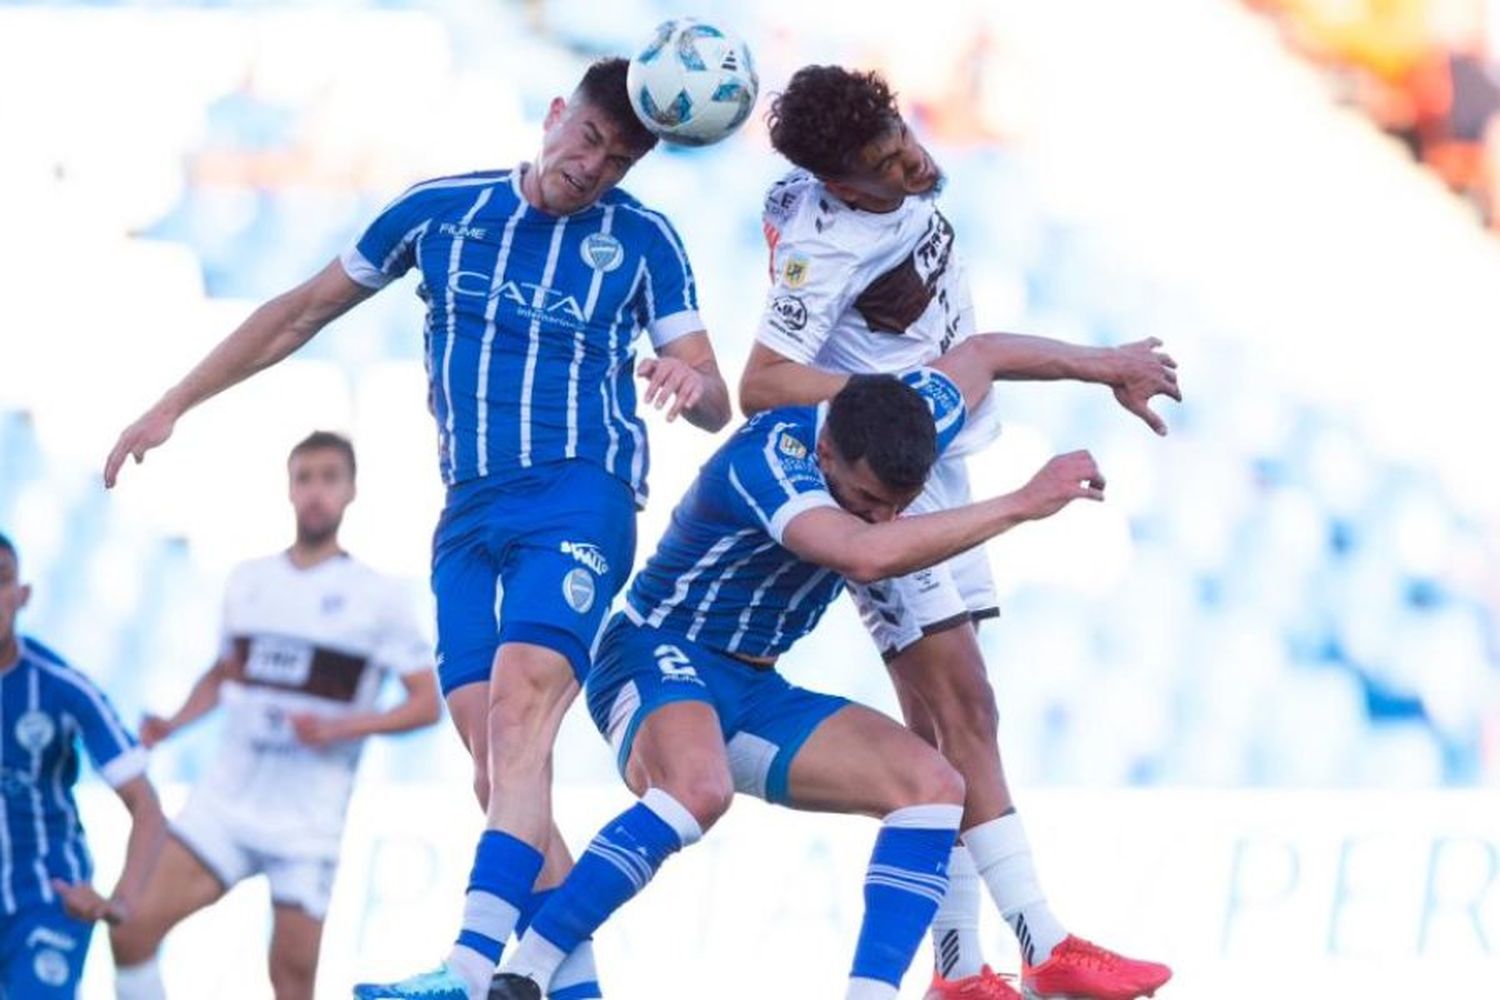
x,y
791,447
296,665
788,314
588,554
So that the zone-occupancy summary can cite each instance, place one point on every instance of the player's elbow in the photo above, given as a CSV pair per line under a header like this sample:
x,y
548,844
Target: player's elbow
x,y
756,391
866,567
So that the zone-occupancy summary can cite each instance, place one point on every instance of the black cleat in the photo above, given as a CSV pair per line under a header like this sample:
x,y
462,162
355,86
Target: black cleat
x,y
509,986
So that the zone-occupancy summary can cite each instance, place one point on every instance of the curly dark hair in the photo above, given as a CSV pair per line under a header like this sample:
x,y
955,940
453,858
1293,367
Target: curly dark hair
x,y
827,114
603,86
885,421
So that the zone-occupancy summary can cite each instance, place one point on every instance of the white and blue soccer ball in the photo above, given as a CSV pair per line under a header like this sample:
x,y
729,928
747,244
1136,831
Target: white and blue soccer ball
x,y
693,83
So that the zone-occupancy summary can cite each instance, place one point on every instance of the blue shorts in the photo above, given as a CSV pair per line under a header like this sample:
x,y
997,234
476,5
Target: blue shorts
x,y
554,544
41,953
765,719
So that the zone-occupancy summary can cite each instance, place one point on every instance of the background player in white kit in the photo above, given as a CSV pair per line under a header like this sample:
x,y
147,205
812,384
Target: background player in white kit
x,y
866,279
309,635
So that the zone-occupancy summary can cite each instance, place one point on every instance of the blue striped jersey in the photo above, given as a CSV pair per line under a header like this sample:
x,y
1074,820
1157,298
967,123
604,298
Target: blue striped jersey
x,y
46,709
532,319
720,575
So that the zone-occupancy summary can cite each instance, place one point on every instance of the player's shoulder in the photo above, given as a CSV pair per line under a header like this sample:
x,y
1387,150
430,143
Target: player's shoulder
x,y
53,667
436,190
41,654
809,221
636,217
780,436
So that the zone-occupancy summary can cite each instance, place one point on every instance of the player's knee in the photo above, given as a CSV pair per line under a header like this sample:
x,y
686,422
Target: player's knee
x,y
706,794
531,687
928,779
292,975
132,942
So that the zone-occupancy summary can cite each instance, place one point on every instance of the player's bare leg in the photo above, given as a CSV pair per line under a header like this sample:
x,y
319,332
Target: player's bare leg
x,y
179,887
296,938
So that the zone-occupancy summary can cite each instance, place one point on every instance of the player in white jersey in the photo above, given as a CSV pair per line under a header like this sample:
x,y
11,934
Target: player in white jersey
x,y
309,634
866,278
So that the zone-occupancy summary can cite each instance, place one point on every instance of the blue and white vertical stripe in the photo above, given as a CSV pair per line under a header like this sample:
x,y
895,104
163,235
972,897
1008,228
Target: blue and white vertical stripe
x,y
532,319
46,709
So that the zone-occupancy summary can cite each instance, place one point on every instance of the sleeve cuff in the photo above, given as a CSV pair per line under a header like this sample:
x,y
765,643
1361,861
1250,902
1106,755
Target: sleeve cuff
x,y
126,767
665,329
362,271
796,505
789,346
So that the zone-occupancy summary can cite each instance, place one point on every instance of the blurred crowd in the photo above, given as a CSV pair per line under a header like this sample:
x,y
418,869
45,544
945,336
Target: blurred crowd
x,y
1426,71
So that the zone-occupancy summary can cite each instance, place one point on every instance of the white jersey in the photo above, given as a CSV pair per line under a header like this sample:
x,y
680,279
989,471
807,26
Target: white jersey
x,y
317,640
857,292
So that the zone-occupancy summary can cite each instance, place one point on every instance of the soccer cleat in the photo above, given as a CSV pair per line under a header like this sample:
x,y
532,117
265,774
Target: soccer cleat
x,y
509,986
1080,970
438,985
988,985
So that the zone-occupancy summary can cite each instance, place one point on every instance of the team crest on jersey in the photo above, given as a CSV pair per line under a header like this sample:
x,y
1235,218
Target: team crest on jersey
x,y
794,272
791,447
35,730
51,967
579,589
602,251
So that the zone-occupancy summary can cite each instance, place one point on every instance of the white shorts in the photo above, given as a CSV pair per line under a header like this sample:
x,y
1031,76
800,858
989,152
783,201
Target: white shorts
x,y
210,836
900,611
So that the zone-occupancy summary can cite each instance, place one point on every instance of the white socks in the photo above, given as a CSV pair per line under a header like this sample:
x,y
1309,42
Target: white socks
x,y
870,989
1002,856
139,982
955,930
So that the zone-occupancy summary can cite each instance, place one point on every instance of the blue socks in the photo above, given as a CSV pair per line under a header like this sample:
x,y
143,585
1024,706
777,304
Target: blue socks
x,y
904,884
499,888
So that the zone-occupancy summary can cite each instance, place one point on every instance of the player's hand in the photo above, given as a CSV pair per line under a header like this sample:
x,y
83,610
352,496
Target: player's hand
x,y
82,902
318,730
150,431
154,729
670,380
1141,373
1062,480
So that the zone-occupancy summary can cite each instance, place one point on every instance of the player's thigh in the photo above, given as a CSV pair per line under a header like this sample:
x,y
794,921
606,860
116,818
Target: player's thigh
x,y
860,761
180,885
945,672
296,939
679,748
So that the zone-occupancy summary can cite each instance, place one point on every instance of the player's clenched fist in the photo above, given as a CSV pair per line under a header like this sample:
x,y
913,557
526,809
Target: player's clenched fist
x,y
1074,476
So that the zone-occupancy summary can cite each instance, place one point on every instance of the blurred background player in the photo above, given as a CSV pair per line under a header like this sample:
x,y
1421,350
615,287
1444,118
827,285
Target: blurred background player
x,y
799,500
47,904
309,634
536,281
866,278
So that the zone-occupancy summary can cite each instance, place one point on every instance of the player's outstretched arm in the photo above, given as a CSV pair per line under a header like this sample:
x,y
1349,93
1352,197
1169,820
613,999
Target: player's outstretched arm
x,y
202,699
418,709
148,831
686,376
1136,372
772,379
864,553
268,335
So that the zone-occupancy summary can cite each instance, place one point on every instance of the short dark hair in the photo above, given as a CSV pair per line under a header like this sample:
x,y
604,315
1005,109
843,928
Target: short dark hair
x,y
827,114
603,85
6,545
320,440
886,422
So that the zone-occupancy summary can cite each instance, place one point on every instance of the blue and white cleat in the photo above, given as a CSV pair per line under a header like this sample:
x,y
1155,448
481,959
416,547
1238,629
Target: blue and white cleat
x,y
439,984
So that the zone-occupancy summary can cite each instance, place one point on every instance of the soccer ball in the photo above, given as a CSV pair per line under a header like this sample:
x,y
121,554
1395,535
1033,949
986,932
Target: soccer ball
x,y
693,84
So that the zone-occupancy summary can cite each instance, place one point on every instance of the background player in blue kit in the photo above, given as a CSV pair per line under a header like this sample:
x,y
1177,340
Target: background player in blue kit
x,y
799,500
47,904
536,281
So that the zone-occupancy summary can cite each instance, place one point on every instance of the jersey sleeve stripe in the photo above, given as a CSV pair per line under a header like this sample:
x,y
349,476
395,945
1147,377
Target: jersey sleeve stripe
x,y
126,767
101,708
362,271
665,329
797,505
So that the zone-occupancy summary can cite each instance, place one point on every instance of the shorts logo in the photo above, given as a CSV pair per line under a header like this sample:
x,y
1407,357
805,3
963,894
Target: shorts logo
x,y
675,666
602,252
579,590
794,273
791,447
588,554
788,313
35,730
51,967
